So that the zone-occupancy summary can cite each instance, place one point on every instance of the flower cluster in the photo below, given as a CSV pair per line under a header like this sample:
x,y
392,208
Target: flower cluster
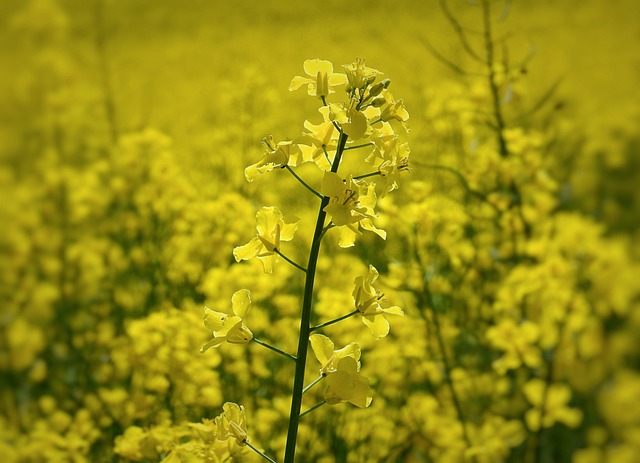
x,y
347,203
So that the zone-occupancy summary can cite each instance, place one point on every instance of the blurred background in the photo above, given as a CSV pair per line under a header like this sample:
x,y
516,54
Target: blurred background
x,y
125,127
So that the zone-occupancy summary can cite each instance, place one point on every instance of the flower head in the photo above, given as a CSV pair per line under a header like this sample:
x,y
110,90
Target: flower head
x,y
325,352
390,157
346,385
359,75
549,405
232,423
272,228
321,78
319,140
368,302
351,205
284,153
226,327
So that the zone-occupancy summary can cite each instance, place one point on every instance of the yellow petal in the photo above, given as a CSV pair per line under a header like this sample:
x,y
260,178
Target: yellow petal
x,y
215,342
214,320
532,417
332,185
378,325
267,262
249,250
367,224
534,391
313,66
267,219
337,78
356,127
347,237
289,228
298,82
394,310
322,347
240,302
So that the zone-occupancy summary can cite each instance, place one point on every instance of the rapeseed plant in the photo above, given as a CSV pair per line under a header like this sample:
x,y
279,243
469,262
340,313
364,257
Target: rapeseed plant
x,y
346,203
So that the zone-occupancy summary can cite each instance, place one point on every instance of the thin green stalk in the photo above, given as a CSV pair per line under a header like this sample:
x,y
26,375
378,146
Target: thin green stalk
x,y
352,147
335,320
326,229
493,86
326,155
275,349
303,182
105,71
298,266
449,381
259,452
316,406
313,383
371,174
335,124
307,302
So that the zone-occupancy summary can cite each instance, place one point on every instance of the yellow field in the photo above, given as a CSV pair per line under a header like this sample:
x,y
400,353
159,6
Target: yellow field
x,y
505,242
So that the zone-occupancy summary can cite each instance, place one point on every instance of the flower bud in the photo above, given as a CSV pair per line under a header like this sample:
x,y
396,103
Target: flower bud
x,y
378,102
376,89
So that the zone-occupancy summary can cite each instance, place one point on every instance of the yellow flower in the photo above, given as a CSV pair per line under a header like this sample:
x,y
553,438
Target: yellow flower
x,y
232,423
396,160
351,204
359,75
323,348
393,110
277,155
518,342
549,405
367,300
320,138
272,228
321,78
227,327
346,385
354,123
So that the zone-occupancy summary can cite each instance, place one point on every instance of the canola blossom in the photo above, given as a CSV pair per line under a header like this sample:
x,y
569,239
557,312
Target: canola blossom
x,y
232,423
346,385
273,228
325,352
368,301
321,80
230,328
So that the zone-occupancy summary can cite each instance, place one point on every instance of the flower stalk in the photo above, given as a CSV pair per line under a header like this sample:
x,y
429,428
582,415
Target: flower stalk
x,y
307,303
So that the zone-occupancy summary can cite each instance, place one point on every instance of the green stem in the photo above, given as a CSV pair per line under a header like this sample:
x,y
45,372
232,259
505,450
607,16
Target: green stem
x,y
448,380
303,182
336,320
493,85
352,147
259,452
298,266
326,229
275,349
326,155
318,405
313,383
371,174
307,302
